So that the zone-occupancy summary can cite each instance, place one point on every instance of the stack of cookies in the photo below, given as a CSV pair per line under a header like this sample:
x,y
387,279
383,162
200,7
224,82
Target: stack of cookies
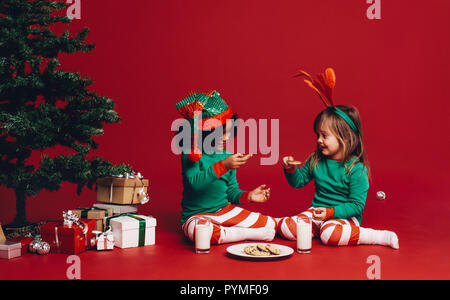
x,y
262,250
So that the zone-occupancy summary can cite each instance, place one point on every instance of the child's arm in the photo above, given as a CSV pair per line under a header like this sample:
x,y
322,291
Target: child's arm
x,y
297,177
359,186
237,196
234,194
200,178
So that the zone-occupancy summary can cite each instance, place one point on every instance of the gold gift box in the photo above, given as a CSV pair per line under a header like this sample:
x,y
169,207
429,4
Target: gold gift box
x,y
121,190
97,214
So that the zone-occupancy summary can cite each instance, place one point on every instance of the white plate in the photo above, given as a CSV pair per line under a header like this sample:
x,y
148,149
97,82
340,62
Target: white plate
x,y
238,250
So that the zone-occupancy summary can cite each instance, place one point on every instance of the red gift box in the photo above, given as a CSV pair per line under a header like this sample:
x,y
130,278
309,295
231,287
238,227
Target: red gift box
x,y
25,241
68,239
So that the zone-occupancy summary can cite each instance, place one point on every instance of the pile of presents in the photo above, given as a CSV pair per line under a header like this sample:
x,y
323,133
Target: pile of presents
x,y
112,222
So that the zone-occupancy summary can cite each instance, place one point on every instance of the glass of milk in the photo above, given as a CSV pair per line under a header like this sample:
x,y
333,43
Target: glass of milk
x,y
304,234
202,234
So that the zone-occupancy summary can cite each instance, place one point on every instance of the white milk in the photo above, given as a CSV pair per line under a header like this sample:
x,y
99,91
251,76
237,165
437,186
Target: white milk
x,y
304,236
202,238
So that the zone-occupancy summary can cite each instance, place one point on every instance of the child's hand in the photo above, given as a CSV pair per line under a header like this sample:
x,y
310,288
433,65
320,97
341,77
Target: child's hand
x,y
235,161
260,194
319,213
284,163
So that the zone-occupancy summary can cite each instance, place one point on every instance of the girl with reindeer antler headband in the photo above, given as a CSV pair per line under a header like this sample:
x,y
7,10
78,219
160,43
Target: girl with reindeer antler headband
x,y
340,169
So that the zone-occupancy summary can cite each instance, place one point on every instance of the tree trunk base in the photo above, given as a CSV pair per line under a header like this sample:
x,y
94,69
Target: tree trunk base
x,y
15,229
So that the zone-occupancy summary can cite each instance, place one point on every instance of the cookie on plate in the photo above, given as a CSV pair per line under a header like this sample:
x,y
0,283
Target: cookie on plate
x,y
255,251
272,249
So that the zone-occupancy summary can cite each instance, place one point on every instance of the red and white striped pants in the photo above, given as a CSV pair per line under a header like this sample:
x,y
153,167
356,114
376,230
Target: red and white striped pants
x,y
333,232
230,216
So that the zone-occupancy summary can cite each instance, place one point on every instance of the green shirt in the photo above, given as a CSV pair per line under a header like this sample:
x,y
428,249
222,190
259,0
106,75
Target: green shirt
x,y
207,186
346,193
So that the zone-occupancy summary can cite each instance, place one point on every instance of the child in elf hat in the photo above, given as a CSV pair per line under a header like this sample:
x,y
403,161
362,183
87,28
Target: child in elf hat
x,y
210,187
340,170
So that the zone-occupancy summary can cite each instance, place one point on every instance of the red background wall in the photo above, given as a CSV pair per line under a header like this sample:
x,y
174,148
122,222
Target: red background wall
x,y
151,53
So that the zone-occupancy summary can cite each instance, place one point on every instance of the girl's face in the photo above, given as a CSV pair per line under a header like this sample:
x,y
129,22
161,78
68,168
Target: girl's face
x,y
328,144
226,135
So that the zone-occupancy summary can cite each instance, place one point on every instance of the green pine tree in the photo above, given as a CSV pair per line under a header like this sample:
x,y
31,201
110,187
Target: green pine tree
x,y
42,106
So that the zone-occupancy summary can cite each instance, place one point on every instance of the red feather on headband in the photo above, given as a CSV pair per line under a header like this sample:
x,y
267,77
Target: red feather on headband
x,y
323,85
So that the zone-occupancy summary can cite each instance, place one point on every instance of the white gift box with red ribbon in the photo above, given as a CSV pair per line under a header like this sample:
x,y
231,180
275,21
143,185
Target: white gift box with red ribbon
x,y
104,240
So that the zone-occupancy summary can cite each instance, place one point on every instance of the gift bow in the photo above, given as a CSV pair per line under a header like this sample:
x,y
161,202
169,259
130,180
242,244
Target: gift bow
x,y
71,218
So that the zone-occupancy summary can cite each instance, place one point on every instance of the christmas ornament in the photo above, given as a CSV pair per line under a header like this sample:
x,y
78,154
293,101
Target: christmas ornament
x,y
34,244
43,248
381,195
39,246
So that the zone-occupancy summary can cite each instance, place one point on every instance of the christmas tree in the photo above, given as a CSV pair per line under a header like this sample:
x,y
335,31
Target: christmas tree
x,y
42,106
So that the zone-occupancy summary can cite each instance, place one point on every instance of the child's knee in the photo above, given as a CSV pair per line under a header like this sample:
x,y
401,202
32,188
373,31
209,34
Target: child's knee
x,y
189,228
330,234
287,228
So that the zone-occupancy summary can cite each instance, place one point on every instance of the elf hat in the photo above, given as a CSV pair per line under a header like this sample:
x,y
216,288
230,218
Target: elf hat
x,y
210,106
324,86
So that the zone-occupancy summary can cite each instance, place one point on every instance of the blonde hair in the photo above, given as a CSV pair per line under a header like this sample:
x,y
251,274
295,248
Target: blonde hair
x,y
351,142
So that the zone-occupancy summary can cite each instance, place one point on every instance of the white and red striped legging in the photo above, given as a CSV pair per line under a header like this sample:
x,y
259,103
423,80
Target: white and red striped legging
x,y
231,218
333,232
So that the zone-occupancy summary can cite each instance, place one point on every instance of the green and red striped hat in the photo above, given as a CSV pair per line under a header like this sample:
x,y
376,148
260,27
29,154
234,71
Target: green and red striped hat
x,y
210,106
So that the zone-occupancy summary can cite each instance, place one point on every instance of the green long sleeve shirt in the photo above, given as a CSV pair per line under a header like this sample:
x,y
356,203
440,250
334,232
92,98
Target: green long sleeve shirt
x,y
346,193
208,186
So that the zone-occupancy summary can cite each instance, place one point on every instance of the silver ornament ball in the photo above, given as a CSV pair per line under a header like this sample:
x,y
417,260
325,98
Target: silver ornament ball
x,y
43,248
381,195
34,244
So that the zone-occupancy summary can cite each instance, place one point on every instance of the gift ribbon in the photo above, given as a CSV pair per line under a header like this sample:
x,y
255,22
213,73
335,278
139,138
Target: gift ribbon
x,y
105,242
142,225
106,238
56,239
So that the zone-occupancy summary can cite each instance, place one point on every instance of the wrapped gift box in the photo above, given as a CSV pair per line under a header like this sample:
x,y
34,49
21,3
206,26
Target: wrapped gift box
x,y
132,230
68,238
10,250
24,241
122,190
94,213
118,209
104,240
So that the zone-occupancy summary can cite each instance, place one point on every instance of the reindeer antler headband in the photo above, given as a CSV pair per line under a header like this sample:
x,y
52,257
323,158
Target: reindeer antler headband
x,y
324,85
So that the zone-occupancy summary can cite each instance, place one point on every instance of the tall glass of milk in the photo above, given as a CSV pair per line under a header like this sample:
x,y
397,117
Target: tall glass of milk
x,y
304,234
203,230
